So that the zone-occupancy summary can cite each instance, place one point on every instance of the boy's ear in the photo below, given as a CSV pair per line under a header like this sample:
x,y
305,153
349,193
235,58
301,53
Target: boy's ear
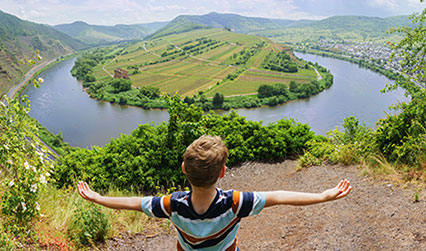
x,y
222,172
183,169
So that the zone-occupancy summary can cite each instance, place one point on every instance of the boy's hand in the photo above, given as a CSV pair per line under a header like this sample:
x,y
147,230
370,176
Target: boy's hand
x,y
340,191
87,193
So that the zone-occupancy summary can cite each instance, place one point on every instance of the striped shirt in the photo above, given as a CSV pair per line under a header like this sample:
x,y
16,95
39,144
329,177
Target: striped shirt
x,y
216,229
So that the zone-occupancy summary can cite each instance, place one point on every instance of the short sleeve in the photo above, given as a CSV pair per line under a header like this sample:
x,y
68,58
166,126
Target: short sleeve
x,y
158,207
259,202
251,203
146,206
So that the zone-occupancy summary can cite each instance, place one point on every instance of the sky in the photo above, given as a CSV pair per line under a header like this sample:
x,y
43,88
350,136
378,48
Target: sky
x,y
111,12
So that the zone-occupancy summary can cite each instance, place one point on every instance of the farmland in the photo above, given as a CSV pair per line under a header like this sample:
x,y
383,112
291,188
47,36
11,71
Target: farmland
x,y
198,62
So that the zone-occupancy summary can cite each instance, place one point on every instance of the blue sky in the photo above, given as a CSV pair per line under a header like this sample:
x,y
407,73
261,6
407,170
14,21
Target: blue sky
x,y
110,12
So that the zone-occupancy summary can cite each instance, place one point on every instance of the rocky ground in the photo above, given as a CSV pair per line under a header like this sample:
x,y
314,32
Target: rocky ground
x,y
377,215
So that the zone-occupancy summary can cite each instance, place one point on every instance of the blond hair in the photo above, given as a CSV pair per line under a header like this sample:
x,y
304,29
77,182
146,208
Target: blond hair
x,y
203,160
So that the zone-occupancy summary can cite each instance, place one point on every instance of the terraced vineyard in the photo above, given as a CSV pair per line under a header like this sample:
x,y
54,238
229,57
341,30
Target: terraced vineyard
x,y
201,61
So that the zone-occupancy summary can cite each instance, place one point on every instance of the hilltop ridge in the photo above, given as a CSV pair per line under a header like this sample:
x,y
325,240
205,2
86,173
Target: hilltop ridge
x,y
19,39
101,34
368,26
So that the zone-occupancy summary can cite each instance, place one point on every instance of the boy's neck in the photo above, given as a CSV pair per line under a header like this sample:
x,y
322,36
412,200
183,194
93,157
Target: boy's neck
x,y
202,198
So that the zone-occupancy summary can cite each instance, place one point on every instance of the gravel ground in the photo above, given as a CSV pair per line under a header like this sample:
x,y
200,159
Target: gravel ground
x,y
376,215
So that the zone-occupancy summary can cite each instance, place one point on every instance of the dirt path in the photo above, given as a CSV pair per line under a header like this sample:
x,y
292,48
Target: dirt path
x,y
375,216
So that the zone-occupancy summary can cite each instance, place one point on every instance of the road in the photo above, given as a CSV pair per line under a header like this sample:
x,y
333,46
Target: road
x,y
12,92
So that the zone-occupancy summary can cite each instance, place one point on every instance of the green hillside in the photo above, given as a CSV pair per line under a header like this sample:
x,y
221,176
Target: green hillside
x,y
360,28
19,39
178,25
98,34
236,23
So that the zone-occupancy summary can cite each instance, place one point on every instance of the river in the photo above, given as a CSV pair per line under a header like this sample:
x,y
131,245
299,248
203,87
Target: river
x,y
61,105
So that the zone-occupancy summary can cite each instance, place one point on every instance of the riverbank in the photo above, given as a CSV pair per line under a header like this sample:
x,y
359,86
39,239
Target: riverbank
x,y
379,69
33,73
54,143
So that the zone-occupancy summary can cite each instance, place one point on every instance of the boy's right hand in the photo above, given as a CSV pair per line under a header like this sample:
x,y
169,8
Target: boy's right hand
x,y
338,192
87,193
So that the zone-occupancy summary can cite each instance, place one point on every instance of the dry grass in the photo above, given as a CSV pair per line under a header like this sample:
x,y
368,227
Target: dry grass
x,y
399,174
57,208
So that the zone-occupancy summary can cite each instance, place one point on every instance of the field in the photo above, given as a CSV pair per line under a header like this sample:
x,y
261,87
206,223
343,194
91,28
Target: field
x,y
197,61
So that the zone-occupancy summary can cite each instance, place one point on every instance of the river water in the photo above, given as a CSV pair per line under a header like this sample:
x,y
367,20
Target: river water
x,y
60,104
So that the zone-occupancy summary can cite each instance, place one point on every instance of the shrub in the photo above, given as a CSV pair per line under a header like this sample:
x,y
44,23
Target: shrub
x,y
25,166
151,156
88,224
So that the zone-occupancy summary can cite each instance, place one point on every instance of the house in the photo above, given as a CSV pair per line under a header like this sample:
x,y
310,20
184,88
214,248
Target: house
x,y
120,73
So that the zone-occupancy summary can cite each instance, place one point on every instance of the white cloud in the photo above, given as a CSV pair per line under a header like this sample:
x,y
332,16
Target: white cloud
x,y
108,12
392,4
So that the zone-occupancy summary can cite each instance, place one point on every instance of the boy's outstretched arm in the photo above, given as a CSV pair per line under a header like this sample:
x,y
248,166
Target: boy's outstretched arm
x,y
129,203
302,199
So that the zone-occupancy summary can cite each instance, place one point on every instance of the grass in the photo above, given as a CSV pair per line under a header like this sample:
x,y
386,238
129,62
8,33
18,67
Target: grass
x,y
57,208
237,87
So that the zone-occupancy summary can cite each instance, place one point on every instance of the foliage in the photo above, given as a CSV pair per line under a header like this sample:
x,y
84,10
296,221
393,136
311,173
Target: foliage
x,y
278,89
241,57
218,100
401,137
82,68
354,144
25,164
234,75
280,61
120,85
88,224
6,240
151,156
150,92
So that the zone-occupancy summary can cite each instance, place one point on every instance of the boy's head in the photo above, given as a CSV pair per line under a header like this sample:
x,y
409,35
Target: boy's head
x,y
204,160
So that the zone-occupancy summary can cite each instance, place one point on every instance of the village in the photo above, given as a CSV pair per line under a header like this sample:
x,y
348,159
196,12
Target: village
x,y
375,53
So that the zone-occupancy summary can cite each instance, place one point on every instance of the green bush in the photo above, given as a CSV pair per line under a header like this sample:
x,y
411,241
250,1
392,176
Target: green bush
x,y
25,168
6,240
352,145
151,156
88,224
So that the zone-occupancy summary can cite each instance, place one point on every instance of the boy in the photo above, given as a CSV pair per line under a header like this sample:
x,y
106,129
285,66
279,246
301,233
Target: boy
x,y
207,218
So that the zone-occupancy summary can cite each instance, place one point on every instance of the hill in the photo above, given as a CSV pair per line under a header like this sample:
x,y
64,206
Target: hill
x,y
360,28
234,22
282,30
19,39
98,34
201,60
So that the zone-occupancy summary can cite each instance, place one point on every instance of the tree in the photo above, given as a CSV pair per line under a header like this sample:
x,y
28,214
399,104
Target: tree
x,y
189,100
203,98
402,137
150,92
412,48
293,86
265,91
218,100
121,85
